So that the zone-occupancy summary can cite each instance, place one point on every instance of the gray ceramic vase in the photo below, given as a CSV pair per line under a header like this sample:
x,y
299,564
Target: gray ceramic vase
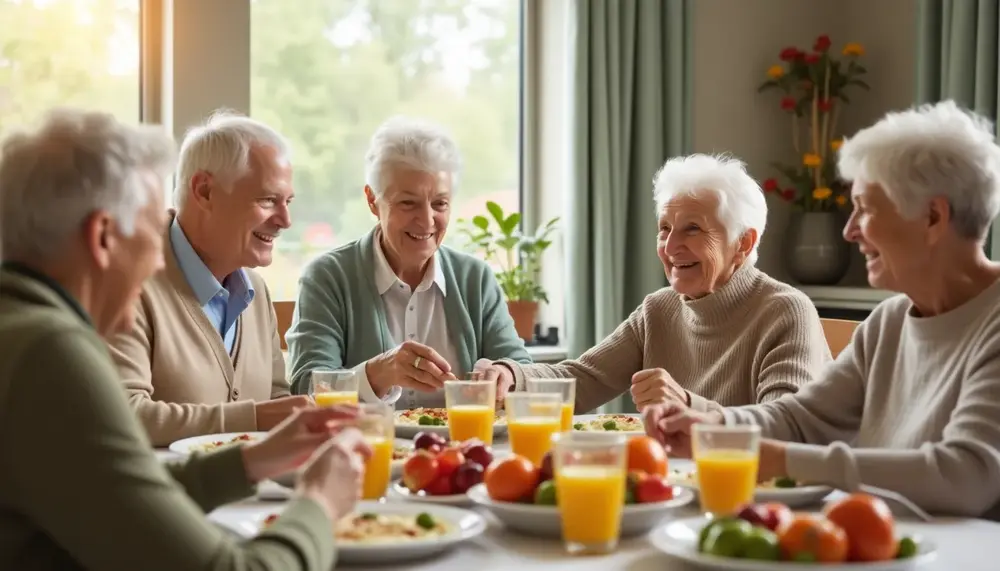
x,y
815,250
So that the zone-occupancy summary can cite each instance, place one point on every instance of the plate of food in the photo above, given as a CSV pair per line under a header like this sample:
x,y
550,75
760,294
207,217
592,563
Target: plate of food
x,y
210,442
630,424
782,490
423,419
441,472
772,537
376,532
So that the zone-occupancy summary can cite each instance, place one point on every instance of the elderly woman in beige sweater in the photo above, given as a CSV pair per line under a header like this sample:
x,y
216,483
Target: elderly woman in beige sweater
x,y
723,333
917,392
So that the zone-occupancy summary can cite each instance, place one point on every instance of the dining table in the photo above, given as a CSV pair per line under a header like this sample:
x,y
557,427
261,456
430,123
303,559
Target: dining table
x,y
962,543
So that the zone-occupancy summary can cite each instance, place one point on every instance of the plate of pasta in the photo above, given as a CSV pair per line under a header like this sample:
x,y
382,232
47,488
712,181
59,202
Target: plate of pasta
x,y
782,490
375,532
627,424
426,419
212,442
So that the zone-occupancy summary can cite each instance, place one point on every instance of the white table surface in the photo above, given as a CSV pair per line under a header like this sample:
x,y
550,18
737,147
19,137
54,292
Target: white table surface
x,y
963,545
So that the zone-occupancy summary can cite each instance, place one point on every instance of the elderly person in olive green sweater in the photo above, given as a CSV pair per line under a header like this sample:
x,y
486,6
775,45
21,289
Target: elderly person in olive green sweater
x,y
403,311
82,219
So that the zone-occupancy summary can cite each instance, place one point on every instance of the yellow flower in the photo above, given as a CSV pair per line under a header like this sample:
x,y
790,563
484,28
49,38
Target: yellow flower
x,y
811,160
822,193
836,144
853,49
841,200
776,72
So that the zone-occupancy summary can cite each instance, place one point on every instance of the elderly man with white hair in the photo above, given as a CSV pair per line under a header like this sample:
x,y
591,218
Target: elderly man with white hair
x,y
82,218
723,332
204,354
911,405
402,310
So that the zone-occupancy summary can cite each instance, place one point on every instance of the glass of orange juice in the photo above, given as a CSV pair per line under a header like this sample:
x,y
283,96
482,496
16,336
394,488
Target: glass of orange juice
x,y
532,419
378,427
334,387
564,387
726,459
590,489
471,409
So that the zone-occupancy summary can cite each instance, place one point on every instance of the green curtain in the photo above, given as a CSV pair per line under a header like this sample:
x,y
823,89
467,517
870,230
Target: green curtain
x,y
630,112
957,58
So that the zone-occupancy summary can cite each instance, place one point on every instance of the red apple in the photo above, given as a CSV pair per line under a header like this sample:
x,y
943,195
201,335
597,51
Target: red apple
x,y
448,461
754,515
480,454
467,476
419,470
775,514
653,489
424,440
547,471
440,487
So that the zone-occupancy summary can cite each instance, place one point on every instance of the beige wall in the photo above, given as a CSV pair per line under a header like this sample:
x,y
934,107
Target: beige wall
x,y
734,43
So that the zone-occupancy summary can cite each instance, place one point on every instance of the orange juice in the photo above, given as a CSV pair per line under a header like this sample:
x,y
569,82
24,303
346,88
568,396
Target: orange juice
x,y
378,469
726,480
566,419
531,437
471,421
590,500
336,397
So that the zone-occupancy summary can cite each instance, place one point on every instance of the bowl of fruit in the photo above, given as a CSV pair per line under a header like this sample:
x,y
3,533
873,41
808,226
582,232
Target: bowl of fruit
x,y
856,532
525,497
439,471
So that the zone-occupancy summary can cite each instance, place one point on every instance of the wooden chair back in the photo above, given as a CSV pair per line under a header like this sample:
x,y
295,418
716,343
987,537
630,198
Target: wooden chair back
x,y
838,333
283,311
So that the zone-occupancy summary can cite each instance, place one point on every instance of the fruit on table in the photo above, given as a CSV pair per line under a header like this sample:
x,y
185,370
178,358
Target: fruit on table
x,y
646,455
468,475
478,453
545,493
761,544
448,461
547,469
438,471
420,470
727,538
814,536
424,440
907,548
653,489
770,515
512,479
869,525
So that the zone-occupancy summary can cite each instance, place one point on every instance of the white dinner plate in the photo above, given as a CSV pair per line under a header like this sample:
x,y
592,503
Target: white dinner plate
x,y
399,491
544,521
245,520
682,474
589,417
679,539
195,443
411,430
397,465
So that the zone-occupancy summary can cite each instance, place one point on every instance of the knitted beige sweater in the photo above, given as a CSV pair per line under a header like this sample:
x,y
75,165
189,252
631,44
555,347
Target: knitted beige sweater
x,y
753,340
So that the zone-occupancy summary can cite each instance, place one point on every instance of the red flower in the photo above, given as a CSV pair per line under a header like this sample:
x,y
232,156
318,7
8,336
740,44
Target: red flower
x,y
812,58
822,43
770,185
825,105
788,194
788,103
789,54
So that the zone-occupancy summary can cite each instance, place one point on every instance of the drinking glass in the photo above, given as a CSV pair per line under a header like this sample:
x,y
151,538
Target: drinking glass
x,y
726,459
471,409
564,387
376,423
334,387
590,483
532,419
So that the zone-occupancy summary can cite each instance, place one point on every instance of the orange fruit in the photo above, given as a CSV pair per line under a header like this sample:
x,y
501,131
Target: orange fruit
x,y
646,455
807,534
512,479
869,525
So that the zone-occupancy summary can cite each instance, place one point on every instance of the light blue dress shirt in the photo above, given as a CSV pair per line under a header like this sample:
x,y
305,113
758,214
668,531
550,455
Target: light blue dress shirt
x,y
222,303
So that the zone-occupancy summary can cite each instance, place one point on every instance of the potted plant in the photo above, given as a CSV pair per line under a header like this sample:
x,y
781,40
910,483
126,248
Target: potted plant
x,y
814,86
515,256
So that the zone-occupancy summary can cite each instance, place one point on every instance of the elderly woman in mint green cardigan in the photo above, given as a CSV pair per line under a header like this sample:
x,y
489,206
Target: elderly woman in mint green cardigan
x,y
403,311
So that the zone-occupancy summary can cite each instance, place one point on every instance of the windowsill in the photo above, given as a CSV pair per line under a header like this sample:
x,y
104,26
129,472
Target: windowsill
x,y
547,353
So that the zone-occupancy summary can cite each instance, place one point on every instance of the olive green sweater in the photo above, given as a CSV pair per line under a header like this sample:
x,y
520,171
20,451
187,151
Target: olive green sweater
x,y
80,486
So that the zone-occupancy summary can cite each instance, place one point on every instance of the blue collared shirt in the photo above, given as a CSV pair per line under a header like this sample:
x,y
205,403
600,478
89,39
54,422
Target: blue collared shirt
x,y
222,303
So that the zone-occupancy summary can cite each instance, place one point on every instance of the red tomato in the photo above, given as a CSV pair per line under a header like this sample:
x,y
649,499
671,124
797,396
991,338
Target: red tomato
x,y
449,461
653,489
774,515
420,470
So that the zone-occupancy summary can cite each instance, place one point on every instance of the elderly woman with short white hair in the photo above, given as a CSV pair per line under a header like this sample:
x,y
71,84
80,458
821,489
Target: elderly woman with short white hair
x,y
912,404
723,333
398,307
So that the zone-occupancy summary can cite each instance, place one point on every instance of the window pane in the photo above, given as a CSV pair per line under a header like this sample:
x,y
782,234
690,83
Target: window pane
x,y
82,53
328,72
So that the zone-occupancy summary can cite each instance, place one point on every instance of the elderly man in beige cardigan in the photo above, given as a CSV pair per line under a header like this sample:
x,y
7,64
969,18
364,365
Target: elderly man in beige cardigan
x,y
204,354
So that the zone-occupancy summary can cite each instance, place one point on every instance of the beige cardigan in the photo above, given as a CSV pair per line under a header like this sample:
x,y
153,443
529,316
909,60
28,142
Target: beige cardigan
x,y
179,377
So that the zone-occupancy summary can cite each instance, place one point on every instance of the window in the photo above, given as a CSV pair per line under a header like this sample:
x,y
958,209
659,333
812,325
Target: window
x,y
326,73
68,52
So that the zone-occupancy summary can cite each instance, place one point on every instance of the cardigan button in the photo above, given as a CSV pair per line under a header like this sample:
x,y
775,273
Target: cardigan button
x,y
236,394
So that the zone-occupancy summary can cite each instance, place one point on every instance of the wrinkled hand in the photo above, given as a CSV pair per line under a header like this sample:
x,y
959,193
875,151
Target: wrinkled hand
x,y
293,441
670,424
271,413
656,386
410,365
487,370
333,475
771,462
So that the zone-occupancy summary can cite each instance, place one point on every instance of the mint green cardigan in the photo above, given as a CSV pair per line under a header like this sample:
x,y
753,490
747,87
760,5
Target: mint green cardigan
x,y
339,320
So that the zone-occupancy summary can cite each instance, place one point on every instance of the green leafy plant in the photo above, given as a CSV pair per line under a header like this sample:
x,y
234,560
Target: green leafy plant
x,y
497,236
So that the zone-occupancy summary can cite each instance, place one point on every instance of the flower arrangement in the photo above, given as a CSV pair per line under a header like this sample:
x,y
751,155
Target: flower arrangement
x,y
814,86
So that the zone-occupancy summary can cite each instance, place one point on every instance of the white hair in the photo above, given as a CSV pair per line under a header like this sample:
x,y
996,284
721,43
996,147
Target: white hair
x,y
413,143
741,202
929,151
221,147
76,163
